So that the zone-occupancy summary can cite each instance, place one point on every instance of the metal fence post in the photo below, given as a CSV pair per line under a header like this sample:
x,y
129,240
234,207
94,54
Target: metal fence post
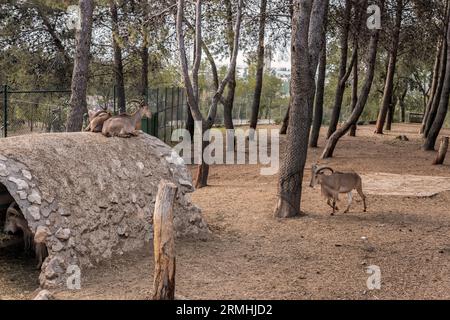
x,y
165,114
5,110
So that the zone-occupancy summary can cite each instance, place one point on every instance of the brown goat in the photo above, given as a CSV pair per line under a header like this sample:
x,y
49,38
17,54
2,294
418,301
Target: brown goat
x,y
96,120
125,125
335,183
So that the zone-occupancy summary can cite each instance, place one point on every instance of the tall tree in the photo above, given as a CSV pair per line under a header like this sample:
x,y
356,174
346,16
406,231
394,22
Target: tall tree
x,y
344,71
362,99
228,101
118,63
389,83
436,97
308,25
436,127
78,102
434,84
259,66
319,98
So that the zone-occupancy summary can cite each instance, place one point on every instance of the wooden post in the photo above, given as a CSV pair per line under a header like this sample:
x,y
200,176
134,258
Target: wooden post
x,y
164,243
442,151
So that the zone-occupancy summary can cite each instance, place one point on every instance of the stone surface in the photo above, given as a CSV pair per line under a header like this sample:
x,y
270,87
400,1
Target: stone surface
x,y
27,174
34,197
96,204
63,234
20,184
3,171
22,195
34,212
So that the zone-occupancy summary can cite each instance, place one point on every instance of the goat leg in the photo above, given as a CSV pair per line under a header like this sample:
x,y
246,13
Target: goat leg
x,y
349,202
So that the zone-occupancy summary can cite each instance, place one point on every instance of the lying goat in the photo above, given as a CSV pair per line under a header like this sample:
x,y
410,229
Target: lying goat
x,y
335,183
96,120
125,125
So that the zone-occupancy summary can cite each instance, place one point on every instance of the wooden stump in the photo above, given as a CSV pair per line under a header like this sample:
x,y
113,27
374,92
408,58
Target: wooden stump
x,y
164,242
442,151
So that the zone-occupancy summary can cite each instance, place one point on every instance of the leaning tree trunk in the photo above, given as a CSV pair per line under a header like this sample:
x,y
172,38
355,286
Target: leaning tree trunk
x,y
437,97
443,148
343,73
442,73
318,101
307,23
434,83
443,104
362,100
259,67
118,64
389,84
78,102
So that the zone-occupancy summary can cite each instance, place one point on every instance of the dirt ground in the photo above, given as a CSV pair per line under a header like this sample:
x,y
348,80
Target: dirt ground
x,y
251,255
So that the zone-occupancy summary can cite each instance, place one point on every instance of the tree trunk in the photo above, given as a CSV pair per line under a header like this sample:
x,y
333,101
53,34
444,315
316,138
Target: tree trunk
x,y
231,86
285,124
144,53
440,83
390,114
164,242
442,151
78,102
343,74
389,84
443,107
144,71
259,67
362,100
190,124
434,84
402,105
354,91
118,65
306,43
228,104
318,102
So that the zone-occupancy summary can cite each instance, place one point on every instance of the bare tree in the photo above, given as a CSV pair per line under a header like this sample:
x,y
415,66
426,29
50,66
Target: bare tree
x,y
81,67
192,83
308,26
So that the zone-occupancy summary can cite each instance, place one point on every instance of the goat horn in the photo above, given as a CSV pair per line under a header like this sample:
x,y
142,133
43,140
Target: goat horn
x,y
320,169
140,102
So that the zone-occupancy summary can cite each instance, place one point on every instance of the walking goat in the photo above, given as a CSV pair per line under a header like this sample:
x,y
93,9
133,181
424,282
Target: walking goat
x,y
335,183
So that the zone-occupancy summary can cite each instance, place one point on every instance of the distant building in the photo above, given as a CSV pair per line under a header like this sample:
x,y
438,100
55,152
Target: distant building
x,y
283,73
